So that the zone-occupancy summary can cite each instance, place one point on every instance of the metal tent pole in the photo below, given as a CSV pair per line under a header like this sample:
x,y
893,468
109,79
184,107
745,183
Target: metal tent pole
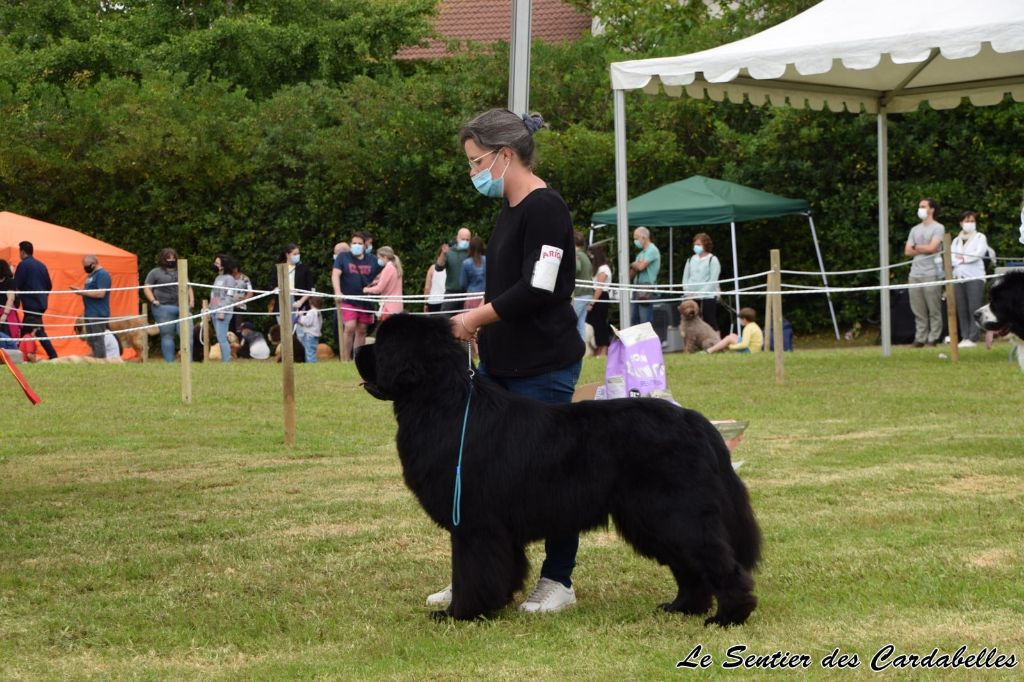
x,y
621,200
519,58
883,229
824,277
735,275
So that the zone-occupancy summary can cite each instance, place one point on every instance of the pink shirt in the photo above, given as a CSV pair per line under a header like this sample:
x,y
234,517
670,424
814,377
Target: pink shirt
x,y
388,284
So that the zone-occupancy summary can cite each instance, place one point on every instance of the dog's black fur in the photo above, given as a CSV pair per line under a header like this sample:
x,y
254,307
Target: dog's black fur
x,y
1005,309
532,470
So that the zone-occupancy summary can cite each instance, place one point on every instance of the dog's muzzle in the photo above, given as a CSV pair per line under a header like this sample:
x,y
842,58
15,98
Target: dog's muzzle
x,y
366,365
986,320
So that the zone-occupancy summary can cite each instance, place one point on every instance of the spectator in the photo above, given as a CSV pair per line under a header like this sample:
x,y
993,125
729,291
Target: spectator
x,y
597,314
450,260
96,300
644,272
750,340
163,299
472,279
32,276
299,277
243,293
226,291
8,313
923,243
308,327
700,278
367,242
967,253
583,294
338,248
353,271
528,340
388,283
253,344
433,287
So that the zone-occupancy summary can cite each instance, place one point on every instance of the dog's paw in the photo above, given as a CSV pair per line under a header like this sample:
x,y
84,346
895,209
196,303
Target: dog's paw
x,y
689,608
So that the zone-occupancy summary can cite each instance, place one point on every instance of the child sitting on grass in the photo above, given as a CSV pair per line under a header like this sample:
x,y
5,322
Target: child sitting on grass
x,y
750,340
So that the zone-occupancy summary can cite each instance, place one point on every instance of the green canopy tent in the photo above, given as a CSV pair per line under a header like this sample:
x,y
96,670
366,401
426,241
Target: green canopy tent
x,y
699,200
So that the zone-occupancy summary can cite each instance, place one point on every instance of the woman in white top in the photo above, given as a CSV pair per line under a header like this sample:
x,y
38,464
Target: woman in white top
x,y
967,252
597,312
433,287
700,278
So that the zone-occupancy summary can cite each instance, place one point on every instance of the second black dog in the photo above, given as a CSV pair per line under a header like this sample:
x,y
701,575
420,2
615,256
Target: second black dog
x,y
532,471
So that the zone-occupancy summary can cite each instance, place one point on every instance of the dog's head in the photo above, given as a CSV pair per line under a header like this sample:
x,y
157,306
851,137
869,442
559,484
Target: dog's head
x,y
689,310
412,354
1005,309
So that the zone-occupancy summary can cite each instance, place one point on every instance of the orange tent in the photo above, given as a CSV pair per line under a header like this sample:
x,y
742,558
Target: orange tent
x,y
61,250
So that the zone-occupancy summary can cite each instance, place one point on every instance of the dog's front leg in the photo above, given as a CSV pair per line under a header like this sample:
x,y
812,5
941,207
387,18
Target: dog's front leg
x,y
487,569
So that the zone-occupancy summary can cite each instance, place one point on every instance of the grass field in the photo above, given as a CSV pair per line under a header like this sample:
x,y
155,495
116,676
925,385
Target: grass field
x,y
144,539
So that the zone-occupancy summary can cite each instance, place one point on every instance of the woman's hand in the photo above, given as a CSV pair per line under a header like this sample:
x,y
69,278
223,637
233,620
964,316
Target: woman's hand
x,y
462,329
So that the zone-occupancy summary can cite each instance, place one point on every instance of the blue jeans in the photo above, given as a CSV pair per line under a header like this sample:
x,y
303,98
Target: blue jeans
x,y
641,312
166,313
221,328
580,306
555,388
309,344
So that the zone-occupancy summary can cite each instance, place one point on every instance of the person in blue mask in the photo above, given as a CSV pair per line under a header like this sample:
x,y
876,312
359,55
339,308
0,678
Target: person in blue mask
x,y
700,278
449,261
644,272
526,326
299,276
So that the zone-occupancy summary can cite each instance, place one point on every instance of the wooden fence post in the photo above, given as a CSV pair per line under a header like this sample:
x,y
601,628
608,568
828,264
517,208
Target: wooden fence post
x,y
775,286
947,267
287,352
184,332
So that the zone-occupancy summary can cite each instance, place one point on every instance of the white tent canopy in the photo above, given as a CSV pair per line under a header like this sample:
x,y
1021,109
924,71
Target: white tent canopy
x,y
878,56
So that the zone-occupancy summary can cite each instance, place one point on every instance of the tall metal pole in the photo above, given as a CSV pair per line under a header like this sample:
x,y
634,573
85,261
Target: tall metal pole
x,y
735,274
824,277
519,58
883,229
621,207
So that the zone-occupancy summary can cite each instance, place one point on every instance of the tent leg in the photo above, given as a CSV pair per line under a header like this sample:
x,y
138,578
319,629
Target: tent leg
x,y
824,277
671,248
883,229
735,274
621,207
519,58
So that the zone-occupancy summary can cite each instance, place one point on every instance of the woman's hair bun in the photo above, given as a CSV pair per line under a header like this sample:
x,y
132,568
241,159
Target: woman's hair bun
x,y
534,122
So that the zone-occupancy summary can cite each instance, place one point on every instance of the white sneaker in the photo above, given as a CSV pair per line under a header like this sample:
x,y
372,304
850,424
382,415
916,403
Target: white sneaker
x,y
549,596
442,598
945,340
966,343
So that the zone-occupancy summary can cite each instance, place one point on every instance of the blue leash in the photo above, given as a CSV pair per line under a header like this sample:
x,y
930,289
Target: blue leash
x,y
457,497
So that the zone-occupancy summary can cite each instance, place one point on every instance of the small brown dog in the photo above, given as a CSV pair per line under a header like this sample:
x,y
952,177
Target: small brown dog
x,y
697,334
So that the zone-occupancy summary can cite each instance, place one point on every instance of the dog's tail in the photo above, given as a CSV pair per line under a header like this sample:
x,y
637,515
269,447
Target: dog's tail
x,y
741,524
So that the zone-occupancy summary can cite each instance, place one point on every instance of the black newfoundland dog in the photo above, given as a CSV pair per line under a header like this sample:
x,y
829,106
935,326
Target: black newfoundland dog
x,y
1005,311
531,471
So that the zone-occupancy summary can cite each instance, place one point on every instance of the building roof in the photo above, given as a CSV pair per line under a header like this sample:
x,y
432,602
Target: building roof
x,y
490,21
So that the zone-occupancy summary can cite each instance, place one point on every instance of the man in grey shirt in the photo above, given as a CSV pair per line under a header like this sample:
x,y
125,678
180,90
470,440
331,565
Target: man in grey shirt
x,y
925,246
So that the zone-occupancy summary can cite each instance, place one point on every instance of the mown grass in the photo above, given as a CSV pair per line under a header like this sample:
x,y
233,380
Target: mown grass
x,y
144,539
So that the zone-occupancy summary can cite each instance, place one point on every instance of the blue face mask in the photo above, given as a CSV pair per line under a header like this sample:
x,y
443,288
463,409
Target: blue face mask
x,y
369,249
357,249
462,245
381,262
638,244
487,185
698,249
295,259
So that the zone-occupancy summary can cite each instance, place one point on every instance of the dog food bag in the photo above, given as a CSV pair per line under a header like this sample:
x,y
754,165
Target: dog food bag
x,y
635,363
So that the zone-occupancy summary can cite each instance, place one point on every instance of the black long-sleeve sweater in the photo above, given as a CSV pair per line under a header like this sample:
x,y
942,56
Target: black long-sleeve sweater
x,y
537,330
